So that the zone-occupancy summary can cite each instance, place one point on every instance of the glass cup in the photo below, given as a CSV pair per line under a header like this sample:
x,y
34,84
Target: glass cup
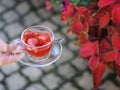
x,y
39,44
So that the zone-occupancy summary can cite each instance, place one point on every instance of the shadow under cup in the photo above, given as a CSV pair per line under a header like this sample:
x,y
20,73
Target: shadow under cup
x,y
37,42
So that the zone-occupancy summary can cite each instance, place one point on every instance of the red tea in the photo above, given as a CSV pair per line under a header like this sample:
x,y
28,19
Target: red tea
x,y
38,44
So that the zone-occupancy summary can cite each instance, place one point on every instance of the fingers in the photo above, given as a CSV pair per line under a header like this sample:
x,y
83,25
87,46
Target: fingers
x,y
7,59
3,46
10,58
20,55
15,48
7,53
3,59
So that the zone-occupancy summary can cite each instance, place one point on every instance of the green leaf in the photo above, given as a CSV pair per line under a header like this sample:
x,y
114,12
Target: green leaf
x,y
57,4
75,1
88,1
85,2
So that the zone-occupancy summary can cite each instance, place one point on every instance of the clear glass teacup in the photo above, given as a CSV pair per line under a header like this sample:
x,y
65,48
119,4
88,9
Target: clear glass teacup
x,y
39,44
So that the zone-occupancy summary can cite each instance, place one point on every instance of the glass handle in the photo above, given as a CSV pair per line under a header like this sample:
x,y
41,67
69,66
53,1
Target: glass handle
x,y
55,50
58,40
17,44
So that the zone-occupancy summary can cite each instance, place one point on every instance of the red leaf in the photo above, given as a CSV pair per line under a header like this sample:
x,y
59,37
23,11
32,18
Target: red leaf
x,y
105,46
67,13
110,56
82,10
116,14
116,41
107,9
93,62
95,47
112,30
92,21
103,3
88,49
117,59
104,20
117,67
98,73
82,38
85,26
65,16
71,7
100,13
76,27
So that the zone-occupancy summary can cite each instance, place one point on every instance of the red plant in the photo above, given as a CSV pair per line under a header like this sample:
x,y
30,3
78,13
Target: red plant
x,y
97,26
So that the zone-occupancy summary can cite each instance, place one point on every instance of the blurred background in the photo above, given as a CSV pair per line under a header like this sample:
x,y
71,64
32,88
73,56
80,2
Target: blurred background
x,y
70,72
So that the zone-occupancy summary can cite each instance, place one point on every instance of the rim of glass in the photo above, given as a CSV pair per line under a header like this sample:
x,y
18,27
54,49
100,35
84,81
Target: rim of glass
x,y
38,26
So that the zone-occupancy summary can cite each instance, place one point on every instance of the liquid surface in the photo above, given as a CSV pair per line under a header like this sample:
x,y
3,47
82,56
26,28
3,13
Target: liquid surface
x,y
35,40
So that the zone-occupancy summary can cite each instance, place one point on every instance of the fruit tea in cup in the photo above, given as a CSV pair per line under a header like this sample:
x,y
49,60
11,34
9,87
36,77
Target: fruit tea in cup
x,y
37,41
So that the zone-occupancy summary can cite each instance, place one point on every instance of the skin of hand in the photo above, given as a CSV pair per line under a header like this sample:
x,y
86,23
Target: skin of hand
x,y
7,53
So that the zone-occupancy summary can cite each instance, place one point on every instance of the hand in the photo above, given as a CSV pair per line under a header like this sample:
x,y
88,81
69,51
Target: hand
x,y
7,53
